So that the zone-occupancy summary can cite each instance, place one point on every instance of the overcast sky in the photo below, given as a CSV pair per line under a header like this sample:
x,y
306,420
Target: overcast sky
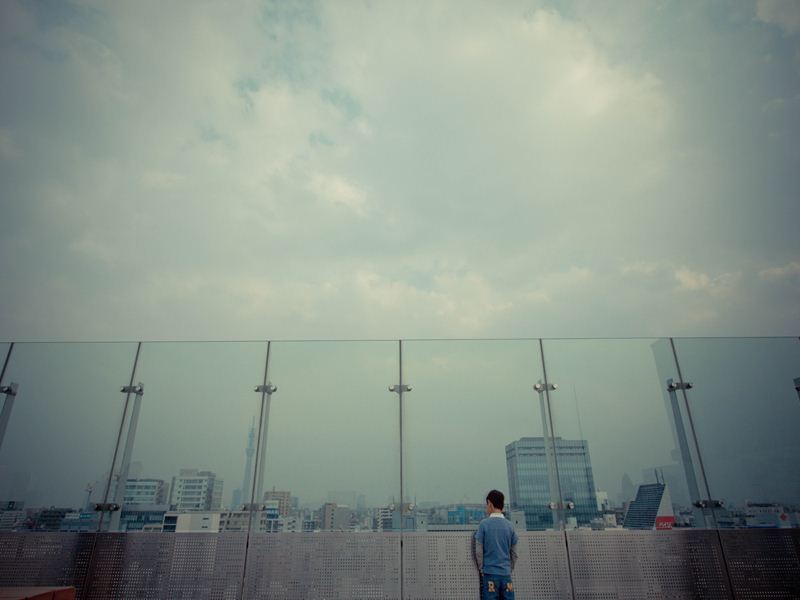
x,y
252,170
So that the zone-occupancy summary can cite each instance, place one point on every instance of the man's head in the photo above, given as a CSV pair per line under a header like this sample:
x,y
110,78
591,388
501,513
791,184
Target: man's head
x,y
494,501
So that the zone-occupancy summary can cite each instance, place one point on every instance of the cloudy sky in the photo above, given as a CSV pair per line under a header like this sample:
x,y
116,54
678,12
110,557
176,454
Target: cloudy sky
x,y
256,170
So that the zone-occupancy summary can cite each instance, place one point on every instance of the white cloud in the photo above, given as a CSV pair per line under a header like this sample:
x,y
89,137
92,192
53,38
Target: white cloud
x,y
692,280
783,13
696,281
337,191
465,303
787,271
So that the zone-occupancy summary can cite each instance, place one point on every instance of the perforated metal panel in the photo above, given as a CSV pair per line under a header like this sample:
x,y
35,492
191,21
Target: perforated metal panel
x,y
44,559
606,565
440,566
763,564
202,566
637,565
295,566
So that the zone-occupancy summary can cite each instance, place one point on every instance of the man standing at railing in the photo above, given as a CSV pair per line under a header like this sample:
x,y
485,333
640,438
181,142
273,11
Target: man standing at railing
x,y
495,550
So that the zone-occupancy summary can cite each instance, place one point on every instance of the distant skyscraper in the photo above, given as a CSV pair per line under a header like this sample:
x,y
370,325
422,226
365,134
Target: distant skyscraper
x,y
528,480
652,508
194,490
242,494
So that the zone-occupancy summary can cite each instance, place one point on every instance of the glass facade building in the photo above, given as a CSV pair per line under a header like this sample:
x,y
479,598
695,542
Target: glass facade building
x,y
643,512
529,480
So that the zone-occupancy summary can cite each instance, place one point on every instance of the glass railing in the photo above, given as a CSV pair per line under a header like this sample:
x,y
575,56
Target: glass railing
x,y
575,431
62,411
249,439
470,403
745,412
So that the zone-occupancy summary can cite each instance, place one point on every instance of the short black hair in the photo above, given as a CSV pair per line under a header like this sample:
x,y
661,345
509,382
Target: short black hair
x,y
496,498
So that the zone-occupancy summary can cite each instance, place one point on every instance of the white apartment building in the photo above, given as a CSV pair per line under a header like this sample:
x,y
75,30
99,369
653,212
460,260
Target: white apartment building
x,y
145,491
195,491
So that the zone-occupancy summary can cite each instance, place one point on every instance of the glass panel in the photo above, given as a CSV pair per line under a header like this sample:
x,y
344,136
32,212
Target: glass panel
x,y
746,410
618,450
333,435
61,431
333,461
473,423
192,460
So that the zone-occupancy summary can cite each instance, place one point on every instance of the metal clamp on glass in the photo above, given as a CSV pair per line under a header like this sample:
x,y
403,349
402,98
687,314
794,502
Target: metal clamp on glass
x,y
10,389
106,507
679,385
550,387
709,503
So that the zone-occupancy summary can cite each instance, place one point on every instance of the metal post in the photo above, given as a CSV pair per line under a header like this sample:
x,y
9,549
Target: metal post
x,y
8,404
547,389
265,389
10,391
549,451
683,386
683,445
549,432
399,389
127,453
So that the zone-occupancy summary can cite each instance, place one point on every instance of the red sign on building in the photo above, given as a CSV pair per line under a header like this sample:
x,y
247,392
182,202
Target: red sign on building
x,y
665,522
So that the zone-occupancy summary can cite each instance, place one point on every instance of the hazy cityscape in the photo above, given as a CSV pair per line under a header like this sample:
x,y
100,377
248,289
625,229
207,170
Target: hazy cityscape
x,y
192,501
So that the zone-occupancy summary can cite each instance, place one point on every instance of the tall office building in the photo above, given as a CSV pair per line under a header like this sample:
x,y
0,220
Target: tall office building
x,y
194,490
529,480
